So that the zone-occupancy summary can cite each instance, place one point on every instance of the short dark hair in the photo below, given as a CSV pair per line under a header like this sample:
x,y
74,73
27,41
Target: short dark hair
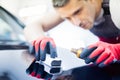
x,y
59,3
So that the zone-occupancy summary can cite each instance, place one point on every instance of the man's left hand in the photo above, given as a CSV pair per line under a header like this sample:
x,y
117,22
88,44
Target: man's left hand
x,y
101,53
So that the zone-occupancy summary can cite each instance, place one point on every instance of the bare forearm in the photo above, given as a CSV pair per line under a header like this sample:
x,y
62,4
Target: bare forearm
x,y
32,32
36,28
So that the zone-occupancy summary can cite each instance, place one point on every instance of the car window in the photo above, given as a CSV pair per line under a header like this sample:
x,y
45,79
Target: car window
x,y
6,33
11,32
10,27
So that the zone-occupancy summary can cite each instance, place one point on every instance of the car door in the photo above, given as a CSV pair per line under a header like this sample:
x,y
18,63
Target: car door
x,y
12,45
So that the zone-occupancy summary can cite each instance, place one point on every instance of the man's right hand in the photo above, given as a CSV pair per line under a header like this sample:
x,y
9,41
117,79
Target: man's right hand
x,y
37,70
40,47
43,45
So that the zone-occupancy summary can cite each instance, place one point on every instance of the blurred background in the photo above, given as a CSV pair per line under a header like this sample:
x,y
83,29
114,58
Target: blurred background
x,y
12,40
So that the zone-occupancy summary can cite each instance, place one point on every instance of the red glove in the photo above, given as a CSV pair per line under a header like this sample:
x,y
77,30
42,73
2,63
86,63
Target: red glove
x,y
37,70
41,46
101,53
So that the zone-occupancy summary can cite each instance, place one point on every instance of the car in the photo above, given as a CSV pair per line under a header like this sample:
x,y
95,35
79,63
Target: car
x,y
12,45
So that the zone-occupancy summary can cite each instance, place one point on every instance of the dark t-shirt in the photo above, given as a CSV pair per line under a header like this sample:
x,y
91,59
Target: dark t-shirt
x,y
107,31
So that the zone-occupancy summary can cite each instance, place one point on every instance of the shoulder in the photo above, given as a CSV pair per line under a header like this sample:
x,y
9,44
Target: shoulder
x,y
115,11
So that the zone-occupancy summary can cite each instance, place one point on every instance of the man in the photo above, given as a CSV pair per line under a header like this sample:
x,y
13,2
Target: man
x,y
87,14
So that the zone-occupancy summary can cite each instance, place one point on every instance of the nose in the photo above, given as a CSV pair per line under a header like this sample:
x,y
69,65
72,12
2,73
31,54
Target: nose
x,y
76,21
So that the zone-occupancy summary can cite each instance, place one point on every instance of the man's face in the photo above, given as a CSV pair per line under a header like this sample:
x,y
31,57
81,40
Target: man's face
x,y
81,13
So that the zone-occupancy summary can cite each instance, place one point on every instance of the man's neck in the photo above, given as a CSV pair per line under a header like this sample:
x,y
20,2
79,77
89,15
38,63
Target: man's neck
x,y
100,18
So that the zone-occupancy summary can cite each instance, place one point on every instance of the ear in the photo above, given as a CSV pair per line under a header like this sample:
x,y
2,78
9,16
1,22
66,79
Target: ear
x,y
97,5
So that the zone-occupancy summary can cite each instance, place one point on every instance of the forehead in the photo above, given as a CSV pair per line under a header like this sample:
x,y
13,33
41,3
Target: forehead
x,y
70,7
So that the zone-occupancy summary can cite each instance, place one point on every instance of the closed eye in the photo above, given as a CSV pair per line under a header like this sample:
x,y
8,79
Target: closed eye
x,y
76,12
